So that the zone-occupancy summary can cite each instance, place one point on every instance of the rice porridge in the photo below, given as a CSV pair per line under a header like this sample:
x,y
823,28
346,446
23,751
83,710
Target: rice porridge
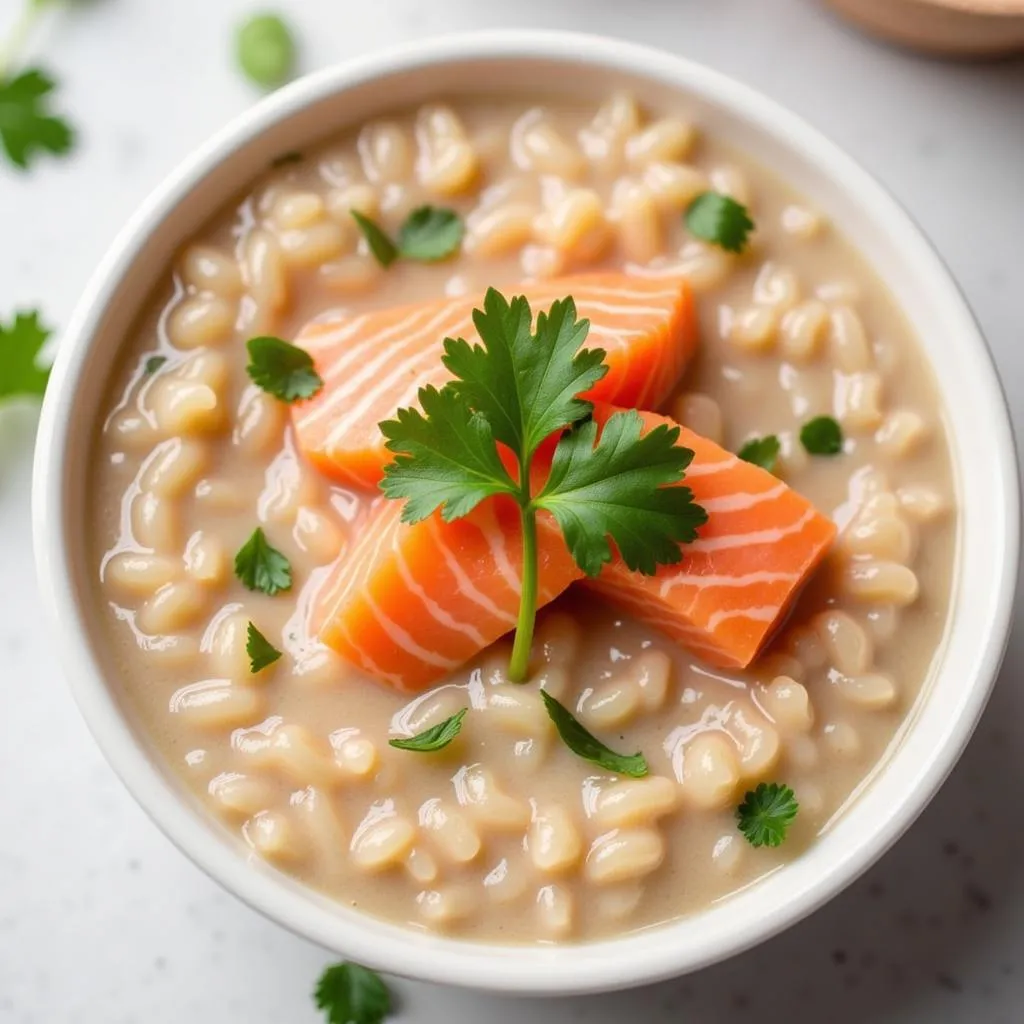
x,y
506,834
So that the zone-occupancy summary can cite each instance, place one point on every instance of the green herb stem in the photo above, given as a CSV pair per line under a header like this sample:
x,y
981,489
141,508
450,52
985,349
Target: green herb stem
x,y
12,48
520,663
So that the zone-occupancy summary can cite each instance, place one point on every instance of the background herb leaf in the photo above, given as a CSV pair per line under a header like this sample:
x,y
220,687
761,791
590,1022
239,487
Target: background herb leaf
x,y
589,747
766,813
385,252
282,369
822,436
435,738
265,49
20,345
350,994
720,220
259,566
761,451
430,233
260,650
27,126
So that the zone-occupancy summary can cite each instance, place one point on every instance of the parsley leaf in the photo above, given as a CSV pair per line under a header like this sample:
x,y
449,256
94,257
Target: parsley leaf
x,y
260,650
589,747
285,371
385,252
152,364
446,456
262,567
822,436
430,233
20,342
26,125
350,994
617,487
525,382
435,738
761,451
521,386
766,814
719,219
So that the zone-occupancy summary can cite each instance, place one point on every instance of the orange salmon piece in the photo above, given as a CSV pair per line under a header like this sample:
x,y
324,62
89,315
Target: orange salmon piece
x,y
373,364
738,580
410,603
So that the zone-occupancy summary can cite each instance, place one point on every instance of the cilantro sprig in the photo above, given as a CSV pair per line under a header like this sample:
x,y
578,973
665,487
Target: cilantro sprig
x,y
28,126
428,234
260,650
822,436
766,813
720,220
519,387
281,369
761,451
350,994
437,737
260,566
584,744
20,344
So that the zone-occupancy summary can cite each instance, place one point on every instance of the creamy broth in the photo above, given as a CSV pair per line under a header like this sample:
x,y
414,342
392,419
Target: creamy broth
x,y
506,835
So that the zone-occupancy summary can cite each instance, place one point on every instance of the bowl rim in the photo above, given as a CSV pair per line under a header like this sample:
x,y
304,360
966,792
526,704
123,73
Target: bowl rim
x,y
620,962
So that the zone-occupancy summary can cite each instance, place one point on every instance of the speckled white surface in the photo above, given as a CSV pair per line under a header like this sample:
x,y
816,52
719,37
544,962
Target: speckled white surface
x,y
102,920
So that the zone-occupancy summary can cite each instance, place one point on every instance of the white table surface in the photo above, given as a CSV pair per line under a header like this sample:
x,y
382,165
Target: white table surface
x,y
102,920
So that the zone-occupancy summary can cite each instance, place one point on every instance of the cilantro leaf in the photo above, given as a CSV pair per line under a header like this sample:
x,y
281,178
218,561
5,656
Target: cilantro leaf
x,y
435,738
589,747
446,456
822,436
525,382
618,487
430,233
519,387
262,567
260,650
26,125
766,813
152,364
350,994
385,252
719,219
285,371
761,451
20,342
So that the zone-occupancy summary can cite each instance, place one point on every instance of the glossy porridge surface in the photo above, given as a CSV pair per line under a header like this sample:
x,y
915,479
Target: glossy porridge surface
x,y
506,835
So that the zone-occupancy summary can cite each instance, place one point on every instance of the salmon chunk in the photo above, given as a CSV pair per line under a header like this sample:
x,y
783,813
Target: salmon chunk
x,y
410,603
738,580
373,364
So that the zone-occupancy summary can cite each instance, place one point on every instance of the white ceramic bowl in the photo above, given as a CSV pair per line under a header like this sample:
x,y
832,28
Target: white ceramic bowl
x,y
983,449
